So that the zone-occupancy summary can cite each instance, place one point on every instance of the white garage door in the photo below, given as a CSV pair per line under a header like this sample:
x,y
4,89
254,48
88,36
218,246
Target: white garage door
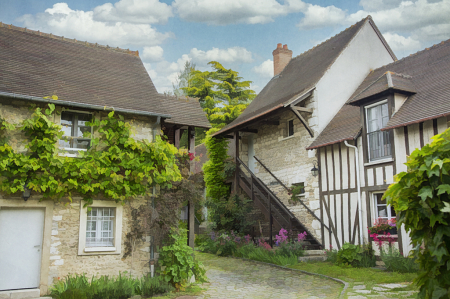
x,y
21,232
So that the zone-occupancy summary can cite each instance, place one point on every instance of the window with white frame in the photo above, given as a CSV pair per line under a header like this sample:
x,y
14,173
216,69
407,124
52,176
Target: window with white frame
x,y
74,125
100,228
379,146
382,209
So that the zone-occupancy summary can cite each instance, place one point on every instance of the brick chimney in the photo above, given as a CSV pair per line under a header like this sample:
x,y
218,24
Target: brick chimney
x,y
281,57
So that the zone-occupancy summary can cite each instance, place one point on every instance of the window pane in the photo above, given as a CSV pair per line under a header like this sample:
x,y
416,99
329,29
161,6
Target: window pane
x,y
99,230
83,144
290,128
382,211
67,123
83,119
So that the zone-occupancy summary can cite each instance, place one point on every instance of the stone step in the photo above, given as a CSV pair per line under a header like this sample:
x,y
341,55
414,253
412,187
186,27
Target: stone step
x,y
312,258
21,294
314,252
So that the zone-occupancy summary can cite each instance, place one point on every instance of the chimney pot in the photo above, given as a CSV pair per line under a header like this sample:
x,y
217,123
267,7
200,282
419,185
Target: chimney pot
x,y
281,57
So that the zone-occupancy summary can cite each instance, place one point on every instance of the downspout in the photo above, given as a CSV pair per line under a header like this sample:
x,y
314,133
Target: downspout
x,y
358,187
152,238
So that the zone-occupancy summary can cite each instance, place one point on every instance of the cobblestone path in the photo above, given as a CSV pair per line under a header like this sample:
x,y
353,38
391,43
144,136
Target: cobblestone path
x,y
235,278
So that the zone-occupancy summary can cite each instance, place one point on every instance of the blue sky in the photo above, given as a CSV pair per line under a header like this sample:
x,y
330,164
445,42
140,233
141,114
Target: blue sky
x,y
240,34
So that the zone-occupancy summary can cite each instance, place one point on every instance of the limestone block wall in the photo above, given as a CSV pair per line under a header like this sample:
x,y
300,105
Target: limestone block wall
x,y
64,258
291,163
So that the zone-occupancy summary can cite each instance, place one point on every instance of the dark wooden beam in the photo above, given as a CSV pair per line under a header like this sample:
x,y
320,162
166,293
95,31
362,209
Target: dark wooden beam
x,y
249,130
303,121
236,160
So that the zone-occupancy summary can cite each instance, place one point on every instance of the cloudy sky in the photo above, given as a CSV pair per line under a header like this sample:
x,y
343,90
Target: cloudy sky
x,y
240,34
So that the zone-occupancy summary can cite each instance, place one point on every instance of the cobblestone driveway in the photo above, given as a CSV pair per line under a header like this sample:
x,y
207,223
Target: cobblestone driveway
x,y
235,278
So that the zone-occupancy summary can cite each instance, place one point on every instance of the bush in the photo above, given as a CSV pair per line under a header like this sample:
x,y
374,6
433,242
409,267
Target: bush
x,y
177,262
419,197
396,262
331,255
355,255
104,287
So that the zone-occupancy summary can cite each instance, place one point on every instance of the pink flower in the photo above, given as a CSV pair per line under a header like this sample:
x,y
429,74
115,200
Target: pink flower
x,y
301,237
191,156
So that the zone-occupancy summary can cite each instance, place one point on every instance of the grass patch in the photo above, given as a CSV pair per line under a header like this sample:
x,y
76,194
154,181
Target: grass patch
x,y
367,276
192,290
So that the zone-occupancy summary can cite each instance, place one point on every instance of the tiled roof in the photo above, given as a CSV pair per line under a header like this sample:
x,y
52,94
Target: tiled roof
x,y
300,76
40,65
345,125
185,111
388,80
427,73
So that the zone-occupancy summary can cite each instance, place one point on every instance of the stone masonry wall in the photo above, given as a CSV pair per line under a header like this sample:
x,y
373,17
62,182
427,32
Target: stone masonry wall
x,y
290,162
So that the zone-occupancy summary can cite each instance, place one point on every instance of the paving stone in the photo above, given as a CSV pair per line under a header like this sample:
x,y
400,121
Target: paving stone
x,y
235,278
356,297
363,291
379,289
359,287
393,285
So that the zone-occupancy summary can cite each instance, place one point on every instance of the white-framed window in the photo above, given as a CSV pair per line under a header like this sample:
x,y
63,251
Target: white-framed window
x,y
379,142
74,126
382,209
100,228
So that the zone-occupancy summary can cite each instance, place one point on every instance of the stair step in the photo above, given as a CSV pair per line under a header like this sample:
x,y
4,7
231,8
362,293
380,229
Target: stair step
x,y
313,252
312,258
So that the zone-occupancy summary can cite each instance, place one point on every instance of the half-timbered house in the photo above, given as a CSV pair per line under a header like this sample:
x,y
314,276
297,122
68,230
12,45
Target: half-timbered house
x,y
396,109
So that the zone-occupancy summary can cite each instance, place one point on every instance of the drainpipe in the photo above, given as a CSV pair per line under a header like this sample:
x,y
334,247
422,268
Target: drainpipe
x,y
152,238
358,186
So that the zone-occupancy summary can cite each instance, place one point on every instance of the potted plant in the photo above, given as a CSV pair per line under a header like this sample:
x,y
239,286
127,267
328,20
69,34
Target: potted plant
x,y
383,226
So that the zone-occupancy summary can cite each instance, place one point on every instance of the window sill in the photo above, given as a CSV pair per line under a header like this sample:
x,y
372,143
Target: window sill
x,y
71,152
99,249
379,162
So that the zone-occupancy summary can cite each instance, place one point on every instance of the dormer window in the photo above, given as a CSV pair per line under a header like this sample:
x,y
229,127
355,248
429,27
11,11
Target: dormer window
x,y
377,116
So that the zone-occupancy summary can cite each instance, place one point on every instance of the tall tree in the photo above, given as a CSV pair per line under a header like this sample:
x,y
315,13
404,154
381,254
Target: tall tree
x,y
221,93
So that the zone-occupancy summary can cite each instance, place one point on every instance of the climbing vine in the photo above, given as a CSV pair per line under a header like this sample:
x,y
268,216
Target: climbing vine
x,y
116,167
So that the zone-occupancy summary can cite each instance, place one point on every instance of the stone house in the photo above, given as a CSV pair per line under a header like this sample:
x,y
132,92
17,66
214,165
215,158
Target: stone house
x,y
42,241
293,133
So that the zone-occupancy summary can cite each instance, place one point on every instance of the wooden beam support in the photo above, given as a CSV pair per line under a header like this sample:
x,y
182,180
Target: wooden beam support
x,y
249,130
236,160
177,138
303,121
302,109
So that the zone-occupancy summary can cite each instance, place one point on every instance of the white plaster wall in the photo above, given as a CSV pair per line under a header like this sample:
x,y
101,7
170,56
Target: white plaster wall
x,y
363,54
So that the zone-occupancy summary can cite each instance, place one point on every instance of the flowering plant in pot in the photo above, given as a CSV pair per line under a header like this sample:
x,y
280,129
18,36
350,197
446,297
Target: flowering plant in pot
x,y
383,226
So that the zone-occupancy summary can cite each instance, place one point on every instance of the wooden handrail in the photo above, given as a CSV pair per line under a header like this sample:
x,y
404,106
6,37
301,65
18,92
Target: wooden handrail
x,y
289,191
266,189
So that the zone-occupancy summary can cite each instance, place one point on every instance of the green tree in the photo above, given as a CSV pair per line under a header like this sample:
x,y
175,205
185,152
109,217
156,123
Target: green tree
x,y
419,197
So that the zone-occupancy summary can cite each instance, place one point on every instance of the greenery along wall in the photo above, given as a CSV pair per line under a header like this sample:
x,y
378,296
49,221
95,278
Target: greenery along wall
x,y
116,167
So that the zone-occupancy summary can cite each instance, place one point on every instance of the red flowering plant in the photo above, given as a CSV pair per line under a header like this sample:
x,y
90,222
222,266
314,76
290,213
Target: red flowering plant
x,y
383,226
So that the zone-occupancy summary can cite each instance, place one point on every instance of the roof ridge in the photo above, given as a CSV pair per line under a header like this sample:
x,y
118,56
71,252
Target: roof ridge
x,y
370,85
62,38
415,54
365,19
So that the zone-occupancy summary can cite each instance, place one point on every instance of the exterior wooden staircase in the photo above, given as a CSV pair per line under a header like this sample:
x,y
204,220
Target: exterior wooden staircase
x,y
272,207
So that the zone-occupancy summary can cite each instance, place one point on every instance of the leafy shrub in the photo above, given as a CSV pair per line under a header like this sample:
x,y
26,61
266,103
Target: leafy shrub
x,y
419,197
104,287
348,254
396,262
177,262
331,255
258,253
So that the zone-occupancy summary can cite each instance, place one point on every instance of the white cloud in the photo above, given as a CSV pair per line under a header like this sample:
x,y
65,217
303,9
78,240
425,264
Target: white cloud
x,y
265,69
152,54
376,5
134,11
165,73
61,20
230,55
219,12
318,16
400,43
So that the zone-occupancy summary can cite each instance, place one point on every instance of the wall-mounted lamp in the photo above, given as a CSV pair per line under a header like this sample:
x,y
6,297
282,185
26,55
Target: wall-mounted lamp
x,y
26,192
315,169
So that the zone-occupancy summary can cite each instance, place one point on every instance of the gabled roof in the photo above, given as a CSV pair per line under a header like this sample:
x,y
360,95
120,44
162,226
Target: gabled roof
x,y
427,71
37,65
389,80
300,75
185,111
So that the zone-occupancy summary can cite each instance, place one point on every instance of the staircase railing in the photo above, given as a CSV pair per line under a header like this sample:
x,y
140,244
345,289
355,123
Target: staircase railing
x,y
289,191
